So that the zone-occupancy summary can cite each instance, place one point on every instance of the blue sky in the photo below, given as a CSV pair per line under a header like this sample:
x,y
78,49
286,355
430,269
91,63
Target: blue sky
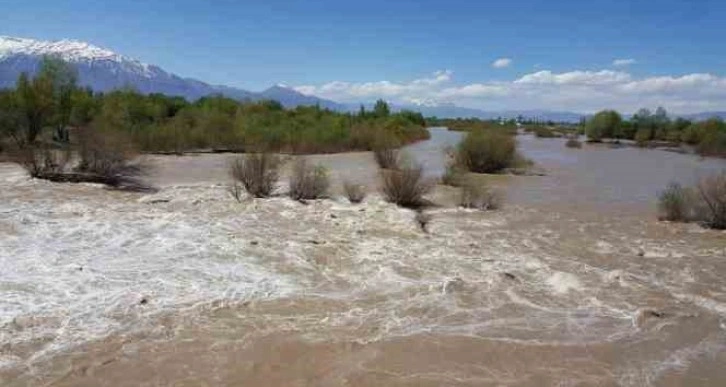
x,y
344,50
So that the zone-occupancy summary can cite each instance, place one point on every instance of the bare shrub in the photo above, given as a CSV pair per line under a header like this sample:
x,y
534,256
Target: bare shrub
x,y
258,173
480,196
109,155
39,160
573,143
386,158
308,182
454,173
423,219
405,186
235,190
355,192
674,203
712,191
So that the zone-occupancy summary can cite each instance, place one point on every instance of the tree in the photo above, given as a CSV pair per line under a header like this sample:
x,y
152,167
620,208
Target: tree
x,y
381,109
10,117
604,124
47,98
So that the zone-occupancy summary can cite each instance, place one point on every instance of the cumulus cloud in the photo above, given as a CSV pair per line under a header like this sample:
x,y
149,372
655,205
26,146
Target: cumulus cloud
x,y
579,90
624,62
501,63
604,77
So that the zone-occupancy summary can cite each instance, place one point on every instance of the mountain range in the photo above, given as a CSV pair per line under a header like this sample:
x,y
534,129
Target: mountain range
x,y
105,70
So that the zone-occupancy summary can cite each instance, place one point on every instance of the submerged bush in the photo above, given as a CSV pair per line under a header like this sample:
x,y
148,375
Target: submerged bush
x,y
486,152
258,173
705,204
106,154
354,192
308,182
543,132
41,161
405,186
712,191
480,196
674,203
573,143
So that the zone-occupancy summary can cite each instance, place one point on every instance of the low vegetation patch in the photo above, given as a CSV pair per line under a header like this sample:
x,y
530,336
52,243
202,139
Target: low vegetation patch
x,y
354,192
405,185
258,173
675,203
712,191
480,196
544,132
486,152
705,203
308,182
573,143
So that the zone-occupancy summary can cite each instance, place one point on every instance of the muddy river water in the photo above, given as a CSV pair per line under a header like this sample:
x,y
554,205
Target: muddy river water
x,y
573,282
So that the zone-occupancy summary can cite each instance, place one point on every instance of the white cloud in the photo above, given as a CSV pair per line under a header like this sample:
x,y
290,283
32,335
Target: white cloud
x,y
624,62
501,63
579,91
604,77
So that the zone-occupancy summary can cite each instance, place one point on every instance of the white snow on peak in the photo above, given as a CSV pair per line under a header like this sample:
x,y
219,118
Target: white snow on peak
x,y
424,102
73,51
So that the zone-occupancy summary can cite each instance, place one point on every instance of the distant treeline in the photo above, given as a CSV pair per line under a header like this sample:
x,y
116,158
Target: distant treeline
x,y
472,124
645,127
51,107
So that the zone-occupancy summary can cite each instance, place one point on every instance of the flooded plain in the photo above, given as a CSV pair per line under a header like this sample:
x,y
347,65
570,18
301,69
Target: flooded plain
x,y
573,282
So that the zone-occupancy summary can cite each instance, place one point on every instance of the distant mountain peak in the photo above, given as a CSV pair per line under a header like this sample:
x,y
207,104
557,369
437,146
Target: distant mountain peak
x,y
68,49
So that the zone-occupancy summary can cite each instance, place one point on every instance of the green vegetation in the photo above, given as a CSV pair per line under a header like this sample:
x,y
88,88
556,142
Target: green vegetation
x,y
51,108
473,124
484,151
707,137
605,124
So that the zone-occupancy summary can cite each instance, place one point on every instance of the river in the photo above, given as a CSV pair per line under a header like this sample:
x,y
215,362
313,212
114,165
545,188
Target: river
x,y
573,282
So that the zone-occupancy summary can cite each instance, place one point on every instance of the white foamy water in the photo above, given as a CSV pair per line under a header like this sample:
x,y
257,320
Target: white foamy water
x,y
81,263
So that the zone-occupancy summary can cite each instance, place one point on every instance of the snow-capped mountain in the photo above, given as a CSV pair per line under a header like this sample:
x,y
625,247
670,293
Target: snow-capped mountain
x,y
105,70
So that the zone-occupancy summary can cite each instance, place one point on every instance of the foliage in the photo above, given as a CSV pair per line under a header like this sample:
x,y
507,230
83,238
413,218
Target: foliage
x,y
486,152
51,101
308,182
258,173
604,124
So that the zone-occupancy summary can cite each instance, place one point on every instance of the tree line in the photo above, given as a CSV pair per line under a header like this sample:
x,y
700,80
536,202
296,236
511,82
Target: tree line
x,y
51,108
644,127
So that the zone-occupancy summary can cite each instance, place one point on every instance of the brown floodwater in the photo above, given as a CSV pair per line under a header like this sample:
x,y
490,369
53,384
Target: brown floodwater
x,y
573,282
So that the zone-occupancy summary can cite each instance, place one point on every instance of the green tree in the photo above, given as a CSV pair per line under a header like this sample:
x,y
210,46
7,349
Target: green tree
x,y
10,117
604,124
381,109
